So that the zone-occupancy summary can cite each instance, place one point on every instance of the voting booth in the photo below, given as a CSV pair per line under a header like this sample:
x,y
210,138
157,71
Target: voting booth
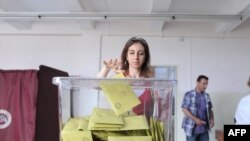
x,y
116,109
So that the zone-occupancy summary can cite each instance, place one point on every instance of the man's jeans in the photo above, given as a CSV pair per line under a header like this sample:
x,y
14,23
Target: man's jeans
x,y
198,137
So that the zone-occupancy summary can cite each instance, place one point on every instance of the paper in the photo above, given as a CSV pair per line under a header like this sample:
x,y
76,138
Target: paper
x,y
135,123
105,119
119,75
120,95
129,138
77,136
106,116
71,124
90,127
71,130
156,129
83,123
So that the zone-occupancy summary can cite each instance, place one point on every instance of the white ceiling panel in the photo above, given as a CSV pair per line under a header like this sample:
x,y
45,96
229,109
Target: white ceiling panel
x,y
208,6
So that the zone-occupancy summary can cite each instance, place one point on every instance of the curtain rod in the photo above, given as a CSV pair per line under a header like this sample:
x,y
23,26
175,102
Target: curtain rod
x,y
118,16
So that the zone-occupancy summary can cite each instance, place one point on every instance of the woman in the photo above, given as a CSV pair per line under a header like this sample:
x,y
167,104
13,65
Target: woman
x,y
134,63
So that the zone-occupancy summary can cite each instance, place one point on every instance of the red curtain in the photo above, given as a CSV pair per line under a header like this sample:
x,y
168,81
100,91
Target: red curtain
x,y
18,91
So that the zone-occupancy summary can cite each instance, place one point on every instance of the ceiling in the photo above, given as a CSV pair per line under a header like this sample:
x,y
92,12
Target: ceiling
x,y
226,15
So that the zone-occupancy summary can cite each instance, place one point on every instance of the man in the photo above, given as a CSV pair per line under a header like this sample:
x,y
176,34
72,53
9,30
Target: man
x,y
242,115
197,108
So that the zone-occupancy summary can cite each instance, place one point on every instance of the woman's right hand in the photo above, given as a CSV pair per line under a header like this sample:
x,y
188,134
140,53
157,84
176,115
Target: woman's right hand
x,y
114,65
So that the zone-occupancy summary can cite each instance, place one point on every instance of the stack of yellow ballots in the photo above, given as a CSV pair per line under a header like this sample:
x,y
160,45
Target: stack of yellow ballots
x,y
105,125
105,119
157,130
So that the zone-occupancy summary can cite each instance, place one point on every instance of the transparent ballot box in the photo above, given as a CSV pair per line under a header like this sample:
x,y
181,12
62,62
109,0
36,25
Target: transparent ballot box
x,y
114,109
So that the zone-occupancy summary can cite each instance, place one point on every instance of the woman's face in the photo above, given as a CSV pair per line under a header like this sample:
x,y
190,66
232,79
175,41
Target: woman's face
x,y
136,55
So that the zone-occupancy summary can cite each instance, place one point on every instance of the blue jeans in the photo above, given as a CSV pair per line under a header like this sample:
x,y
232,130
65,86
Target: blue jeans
x,y
198,137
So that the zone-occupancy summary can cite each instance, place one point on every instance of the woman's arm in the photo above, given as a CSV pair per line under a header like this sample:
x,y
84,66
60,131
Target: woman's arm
x,y
104,72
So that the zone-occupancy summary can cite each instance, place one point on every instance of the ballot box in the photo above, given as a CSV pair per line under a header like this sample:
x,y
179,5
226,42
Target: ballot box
x,y
116,109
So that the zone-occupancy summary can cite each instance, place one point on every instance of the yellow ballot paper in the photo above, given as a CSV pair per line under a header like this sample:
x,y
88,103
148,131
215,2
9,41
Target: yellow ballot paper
x,y
93,128
101,135
129,138
105,119
72,124
71,132
119,75
77,136
157,129
83,123
135,123
120,95
105,116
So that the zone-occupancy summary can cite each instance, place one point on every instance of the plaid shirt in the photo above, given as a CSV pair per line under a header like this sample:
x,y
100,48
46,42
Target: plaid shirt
x,y
190,103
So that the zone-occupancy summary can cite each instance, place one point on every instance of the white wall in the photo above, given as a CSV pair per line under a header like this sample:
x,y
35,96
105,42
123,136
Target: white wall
x,y
223,58
71,53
